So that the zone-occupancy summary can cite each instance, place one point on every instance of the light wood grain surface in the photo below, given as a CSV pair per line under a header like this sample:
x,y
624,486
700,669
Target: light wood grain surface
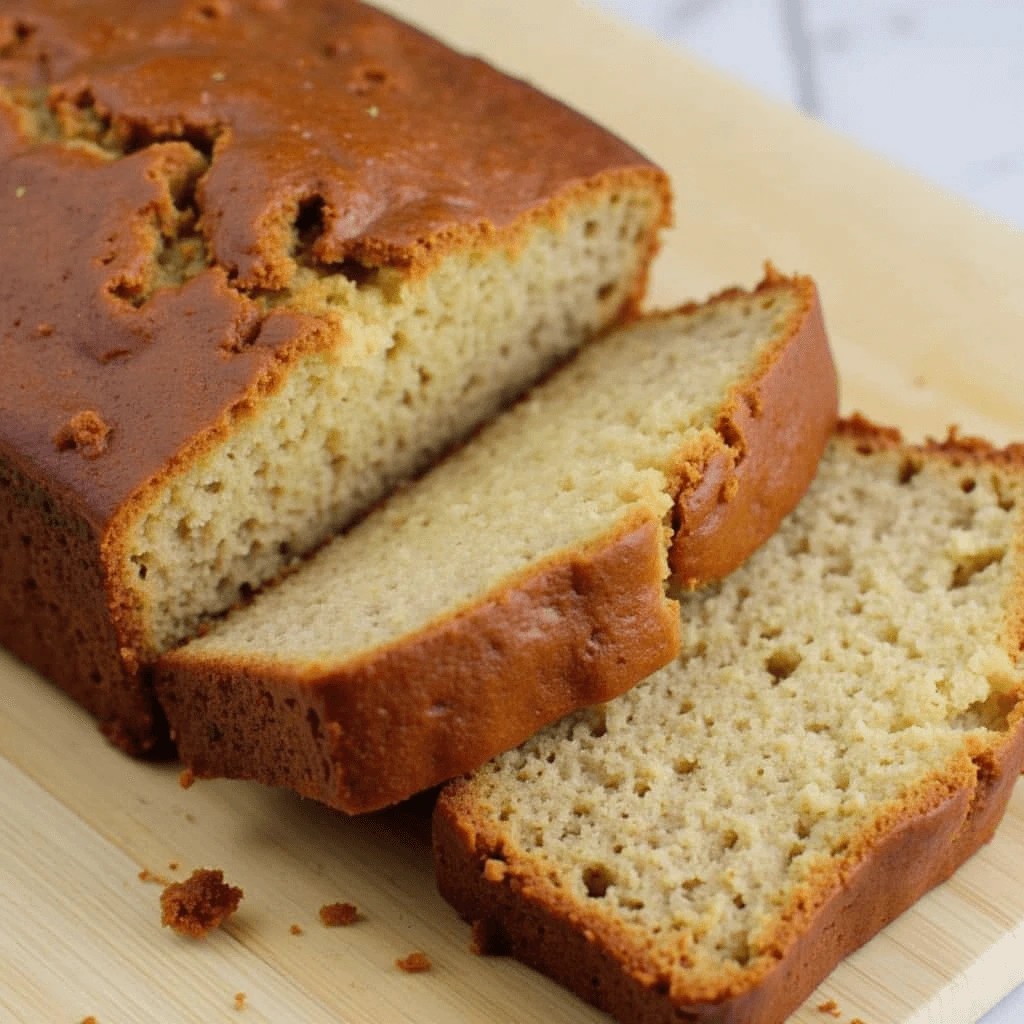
x,y
926,312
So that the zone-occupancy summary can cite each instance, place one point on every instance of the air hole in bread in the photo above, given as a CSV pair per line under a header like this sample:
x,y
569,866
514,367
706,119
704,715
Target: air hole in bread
x,y
969,566
596,880
782,663
909,468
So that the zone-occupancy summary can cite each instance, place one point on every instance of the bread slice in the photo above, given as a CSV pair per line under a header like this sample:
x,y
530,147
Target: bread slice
x,y
242,299
523,577
842,729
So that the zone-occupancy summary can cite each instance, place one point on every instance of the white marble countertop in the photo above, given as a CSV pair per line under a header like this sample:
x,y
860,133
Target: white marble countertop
x,y
933,85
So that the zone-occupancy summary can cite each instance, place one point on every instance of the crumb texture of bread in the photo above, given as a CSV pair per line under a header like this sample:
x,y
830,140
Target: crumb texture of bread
x,y
524,576
339,915
844,716
597,441
416,366
201,903
275,306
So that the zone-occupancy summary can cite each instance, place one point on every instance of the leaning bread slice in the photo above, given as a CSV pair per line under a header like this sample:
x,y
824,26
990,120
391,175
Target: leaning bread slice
x,y
523,578
841,730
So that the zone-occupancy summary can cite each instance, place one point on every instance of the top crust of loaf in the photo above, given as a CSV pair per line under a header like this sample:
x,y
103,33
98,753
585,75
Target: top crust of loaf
x,y
911,846
376,144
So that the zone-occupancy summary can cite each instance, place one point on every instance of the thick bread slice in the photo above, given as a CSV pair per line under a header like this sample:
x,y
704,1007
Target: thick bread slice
x,y
840,731
523,577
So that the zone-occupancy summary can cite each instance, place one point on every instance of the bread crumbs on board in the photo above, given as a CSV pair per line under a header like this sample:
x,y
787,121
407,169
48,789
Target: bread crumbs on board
x,y
145,875
339,915
89,1020
296,929
202,902
414,963
830,1007
239,1000
186,778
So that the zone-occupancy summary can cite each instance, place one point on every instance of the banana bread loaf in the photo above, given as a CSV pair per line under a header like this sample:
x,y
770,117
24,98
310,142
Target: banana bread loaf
x,y
260,261
842,729
524,576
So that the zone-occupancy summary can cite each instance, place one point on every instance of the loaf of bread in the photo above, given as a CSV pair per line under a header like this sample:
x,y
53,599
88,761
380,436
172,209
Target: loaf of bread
x,y
841,730
523,578
260,261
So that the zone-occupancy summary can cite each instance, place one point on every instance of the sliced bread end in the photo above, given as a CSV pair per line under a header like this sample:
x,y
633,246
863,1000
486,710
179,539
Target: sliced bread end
x,y
709,846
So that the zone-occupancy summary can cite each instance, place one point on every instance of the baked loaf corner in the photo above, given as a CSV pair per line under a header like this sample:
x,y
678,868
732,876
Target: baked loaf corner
x,y
244,297
524,576
842,729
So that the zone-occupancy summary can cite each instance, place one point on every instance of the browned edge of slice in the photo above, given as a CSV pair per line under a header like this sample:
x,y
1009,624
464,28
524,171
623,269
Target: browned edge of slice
x,y
773,430
912,848
448,698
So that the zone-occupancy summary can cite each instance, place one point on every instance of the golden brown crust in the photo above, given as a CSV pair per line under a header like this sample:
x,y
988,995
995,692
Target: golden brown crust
x,y
910,848
578,631
182,139
773,430
623,972
53,614
956,448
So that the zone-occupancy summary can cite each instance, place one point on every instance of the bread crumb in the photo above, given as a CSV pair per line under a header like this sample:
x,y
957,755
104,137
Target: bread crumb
x,y
186,778
89,1020
338,915
414,963
202,902
856,1020
830,1007
145,875
84,432
239,1000
494,870
296,929
19,193
44,330
173,866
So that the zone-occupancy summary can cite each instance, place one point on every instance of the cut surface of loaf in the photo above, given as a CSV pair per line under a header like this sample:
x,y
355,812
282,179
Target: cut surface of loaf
x,y
524,576
241,300
841,729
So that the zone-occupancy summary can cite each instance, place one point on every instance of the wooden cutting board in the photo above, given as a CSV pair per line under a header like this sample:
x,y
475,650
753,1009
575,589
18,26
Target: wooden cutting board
x,y
926,308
